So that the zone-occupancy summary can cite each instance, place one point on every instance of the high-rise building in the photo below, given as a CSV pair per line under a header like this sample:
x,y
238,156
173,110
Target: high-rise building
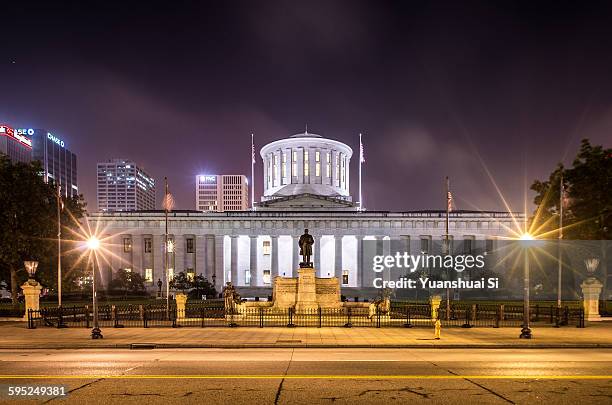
x,y
59,164
123,186
222,192
15,144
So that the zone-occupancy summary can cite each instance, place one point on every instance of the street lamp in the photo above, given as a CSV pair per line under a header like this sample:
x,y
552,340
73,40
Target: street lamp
x,y
526,331
93,244
31,267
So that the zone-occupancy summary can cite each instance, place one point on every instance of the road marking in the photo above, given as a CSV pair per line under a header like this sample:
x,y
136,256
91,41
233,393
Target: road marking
x,y
315,376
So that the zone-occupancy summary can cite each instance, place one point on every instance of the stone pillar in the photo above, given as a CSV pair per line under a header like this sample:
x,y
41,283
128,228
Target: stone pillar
x,y
181,300
359,282
338,256
274,259
219,264
306,291
296,254
253,261
200,255
31,291
434,301
317,254
591,290
234,260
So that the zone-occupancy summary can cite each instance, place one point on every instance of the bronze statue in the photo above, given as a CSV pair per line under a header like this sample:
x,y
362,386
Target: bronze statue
x,y
306,241
231,298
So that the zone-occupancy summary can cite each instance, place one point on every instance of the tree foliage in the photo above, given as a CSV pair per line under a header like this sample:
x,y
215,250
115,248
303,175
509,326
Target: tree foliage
x,y
28,224
587,207
127,282
196,286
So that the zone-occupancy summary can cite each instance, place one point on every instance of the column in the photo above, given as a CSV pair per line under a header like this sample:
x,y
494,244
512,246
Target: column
x,y
219,275
359,282
386,251
296,255
137,245
234,260
311,166
334,156
274,260
338,256
317,254
253,261
179,253
300,165
200,256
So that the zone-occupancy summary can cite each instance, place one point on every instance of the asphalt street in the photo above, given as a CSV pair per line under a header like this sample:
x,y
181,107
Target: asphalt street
x,y
313,376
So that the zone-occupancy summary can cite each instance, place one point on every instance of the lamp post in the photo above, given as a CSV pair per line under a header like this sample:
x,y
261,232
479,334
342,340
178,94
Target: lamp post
x,y
93,244
31,267
526,331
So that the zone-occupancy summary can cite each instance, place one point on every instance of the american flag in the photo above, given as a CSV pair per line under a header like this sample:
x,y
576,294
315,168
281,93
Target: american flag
x,y
168,202
449,201
361,155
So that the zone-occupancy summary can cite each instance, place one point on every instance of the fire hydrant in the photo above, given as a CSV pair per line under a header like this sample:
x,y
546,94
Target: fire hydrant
x,y
437,329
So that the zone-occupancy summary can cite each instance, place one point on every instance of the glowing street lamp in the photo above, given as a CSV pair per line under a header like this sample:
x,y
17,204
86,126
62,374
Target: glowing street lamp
x,y
526,331
93,244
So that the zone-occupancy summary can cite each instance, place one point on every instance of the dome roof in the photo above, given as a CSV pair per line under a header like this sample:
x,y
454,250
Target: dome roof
x,y
305,134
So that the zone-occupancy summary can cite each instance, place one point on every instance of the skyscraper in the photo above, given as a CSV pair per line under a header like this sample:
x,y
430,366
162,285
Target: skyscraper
x,y
59,164
123,186
222,192
15,144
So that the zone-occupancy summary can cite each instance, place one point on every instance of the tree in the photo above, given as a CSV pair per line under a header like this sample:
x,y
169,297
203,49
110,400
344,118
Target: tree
x,y
180,282
28,222
201,286
587,212
126,281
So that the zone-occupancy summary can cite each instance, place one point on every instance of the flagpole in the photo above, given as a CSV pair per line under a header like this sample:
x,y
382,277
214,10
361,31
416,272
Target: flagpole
x,y
446,241
59,247
252,174
360,163
559,286
166,249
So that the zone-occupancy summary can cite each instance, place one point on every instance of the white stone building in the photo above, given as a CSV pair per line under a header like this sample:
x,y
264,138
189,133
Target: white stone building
x,y
306,185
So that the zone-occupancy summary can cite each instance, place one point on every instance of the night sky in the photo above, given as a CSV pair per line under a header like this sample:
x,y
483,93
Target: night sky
x,y
436,88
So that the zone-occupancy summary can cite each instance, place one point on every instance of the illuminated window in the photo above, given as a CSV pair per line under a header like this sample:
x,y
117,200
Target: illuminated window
x,y
170,274
343,169
266,277
345,277
127,245
148,275
318,163
294,164
247,277
190,247
266,247
306,166
337,176
275,167
284,167
147,245
328,165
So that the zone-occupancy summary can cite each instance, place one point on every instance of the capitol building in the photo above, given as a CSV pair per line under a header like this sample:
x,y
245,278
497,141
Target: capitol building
x,y
306,185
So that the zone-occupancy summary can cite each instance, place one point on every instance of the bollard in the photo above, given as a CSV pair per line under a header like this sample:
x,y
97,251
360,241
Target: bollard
x,y
437,329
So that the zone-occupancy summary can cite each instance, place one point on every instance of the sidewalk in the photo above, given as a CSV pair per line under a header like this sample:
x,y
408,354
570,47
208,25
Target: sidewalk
x,y
15,335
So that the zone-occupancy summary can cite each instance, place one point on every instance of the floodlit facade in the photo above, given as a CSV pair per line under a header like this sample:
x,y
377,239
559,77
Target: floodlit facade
x,y
59,164
306,185
124,186
219,193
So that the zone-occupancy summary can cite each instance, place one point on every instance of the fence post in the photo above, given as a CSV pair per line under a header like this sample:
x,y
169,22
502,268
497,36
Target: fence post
x,y
497,317
114,316
30,319
468,309
566,315
261,318
474,313
348,323
408,324
581,318
173,314
87,316
60,317
320,313
502,315
377,317
201,317
537,311
145,321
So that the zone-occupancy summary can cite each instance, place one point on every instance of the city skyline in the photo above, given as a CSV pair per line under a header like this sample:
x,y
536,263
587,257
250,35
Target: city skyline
x,y
429,99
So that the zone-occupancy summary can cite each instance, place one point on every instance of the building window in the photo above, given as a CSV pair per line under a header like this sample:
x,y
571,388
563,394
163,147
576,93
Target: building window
x,y
294,170
266,247
148,243
337,176
127,245
247,277
345,277
317,163
284,168
170,274
328,165
275,167
306,165
148,275
467,245
190,248
425,245
266,277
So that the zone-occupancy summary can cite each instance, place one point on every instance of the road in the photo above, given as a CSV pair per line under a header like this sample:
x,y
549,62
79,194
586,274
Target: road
x,y
314,376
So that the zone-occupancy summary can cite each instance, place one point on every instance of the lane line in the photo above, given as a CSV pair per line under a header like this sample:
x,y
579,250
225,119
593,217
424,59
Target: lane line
x,y
312,376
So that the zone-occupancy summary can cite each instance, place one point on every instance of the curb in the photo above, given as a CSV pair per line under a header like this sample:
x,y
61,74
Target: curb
x,y
150,346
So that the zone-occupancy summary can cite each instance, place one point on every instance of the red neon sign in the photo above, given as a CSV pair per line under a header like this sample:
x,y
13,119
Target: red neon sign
x,y
10,132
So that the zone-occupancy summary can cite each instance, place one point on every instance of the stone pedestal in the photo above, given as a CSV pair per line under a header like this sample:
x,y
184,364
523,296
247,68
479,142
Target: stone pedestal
x,y
31,291
306,299
181,300
591,290
434,301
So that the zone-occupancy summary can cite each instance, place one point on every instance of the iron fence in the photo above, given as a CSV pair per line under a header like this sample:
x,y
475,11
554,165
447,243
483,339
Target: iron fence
x,y
397,314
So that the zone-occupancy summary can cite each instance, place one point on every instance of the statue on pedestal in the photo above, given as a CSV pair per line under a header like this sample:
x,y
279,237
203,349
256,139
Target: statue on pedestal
x,y
306,241
231,298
